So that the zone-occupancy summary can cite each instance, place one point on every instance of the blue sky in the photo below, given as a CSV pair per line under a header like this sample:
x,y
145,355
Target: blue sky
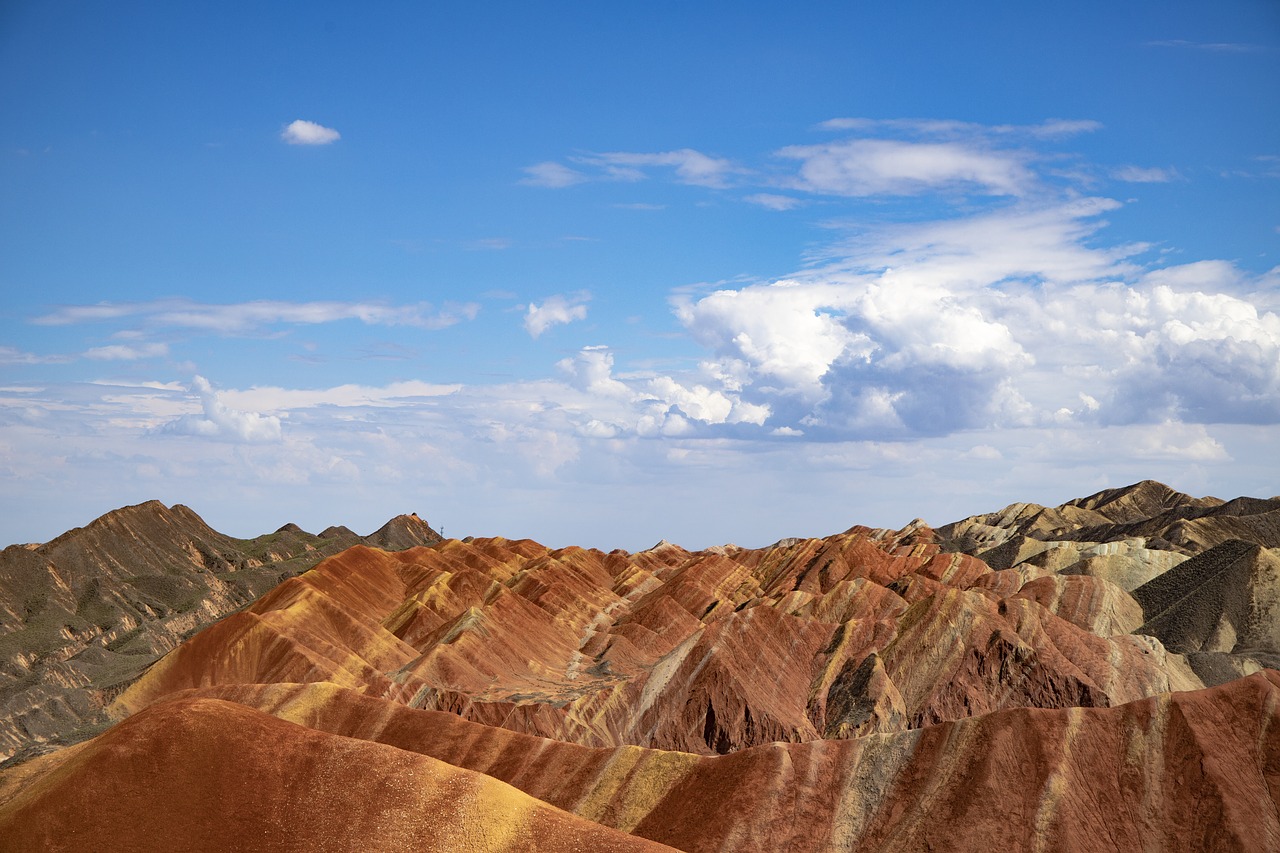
x,y
605,273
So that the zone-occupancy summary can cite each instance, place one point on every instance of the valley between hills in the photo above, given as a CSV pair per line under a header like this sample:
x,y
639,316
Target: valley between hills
x,y
1099,675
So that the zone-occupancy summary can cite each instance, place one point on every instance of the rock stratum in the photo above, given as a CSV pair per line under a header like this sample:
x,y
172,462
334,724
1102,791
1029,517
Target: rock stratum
x,y
83,615
1098,675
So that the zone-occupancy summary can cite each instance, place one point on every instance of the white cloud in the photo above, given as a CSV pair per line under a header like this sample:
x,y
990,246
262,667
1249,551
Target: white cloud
x,y
124,352
950,128
691,167
773,201
490,244
275,399
553,175
12,355
786,333
243,317
555,310
1001,320
1144,175
591,371
1216,47
1174,440
302,132
220,421
868,167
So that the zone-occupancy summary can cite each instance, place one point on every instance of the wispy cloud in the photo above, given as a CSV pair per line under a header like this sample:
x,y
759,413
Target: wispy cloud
x,y
489,244
881,157
773,201
127,352
246,317
552,175
555,310
301,132
869,167
1145,175
952,129
1215,46
689,166
278,400
12,355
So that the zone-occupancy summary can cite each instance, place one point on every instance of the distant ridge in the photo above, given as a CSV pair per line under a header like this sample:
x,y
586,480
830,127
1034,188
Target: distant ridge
x,y
1165,518
83,614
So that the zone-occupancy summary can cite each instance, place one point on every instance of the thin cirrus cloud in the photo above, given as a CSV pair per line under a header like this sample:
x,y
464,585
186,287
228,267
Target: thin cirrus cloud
x,y
1144,174
555,311
13,355
127,352
552,175
301,132
1216,47
773,201
688,165
950,128
901,157
246,317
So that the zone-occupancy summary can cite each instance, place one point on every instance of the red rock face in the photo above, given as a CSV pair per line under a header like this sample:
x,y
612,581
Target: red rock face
x,y
866,691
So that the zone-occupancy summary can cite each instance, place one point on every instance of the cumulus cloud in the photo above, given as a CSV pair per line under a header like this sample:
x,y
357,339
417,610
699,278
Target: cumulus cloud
x,y
555,310
245,317
302,132
218,420
1003,320
788,333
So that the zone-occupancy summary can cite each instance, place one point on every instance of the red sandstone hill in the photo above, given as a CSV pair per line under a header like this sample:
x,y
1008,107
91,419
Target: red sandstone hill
x,y
872,690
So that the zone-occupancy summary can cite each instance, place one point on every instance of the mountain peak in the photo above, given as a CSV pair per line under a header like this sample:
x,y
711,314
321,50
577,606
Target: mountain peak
x,y
403,531
1144,499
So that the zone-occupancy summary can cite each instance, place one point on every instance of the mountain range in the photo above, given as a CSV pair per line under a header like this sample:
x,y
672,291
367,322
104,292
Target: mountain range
x,y
1038,678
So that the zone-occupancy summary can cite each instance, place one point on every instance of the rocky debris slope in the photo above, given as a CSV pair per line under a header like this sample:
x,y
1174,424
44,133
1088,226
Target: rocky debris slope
x,y
81,616
1003,680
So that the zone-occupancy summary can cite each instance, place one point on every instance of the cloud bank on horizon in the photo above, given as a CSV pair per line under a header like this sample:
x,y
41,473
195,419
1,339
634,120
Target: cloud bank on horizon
x,y
962,317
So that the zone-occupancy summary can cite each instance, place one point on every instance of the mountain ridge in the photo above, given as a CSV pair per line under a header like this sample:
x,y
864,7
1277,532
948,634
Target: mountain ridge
x,y
84,613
